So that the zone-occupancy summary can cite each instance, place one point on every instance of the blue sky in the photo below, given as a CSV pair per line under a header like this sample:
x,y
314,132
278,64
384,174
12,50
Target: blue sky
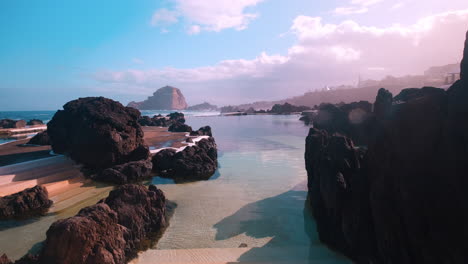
x,y
55,51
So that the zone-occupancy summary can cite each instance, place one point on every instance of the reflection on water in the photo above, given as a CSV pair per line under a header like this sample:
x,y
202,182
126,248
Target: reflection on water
x,y
257,198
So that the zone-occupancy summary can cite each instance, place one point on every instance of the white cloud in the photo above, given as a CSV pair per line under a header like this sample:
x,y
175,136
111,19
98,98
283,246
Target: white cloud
x,y
324,54
205,15
194,29
163,17
397,5
356,7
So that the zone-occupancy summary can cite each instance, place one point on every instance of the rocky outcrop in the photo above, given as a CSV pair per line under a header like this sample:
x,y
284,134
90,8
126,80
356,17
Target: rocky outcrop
x,y
383,104
353,120
41,139
97,132
203,107
194,163
30,202
130,172
179,127
9,123
202,131
464,62
404,200
165,98
112,231
162,121
287,108
35,122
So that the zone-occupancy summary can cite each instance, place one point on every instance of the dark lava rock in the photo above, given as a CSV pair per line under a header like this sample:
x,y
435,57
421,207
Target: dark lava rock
x,y
383,104
197,162
159,120
35,122
353,120
97,132
30,202
112,231
130,172
464,62
28,259
9,123
180,127
41,138
406,202
203,131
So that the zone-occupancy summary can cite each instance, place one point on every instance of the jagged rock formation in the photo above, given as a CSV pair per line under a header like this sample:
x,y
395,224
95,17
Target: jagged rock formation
x,y
287,108
41,139
9,123
203,107
30,202
194,163
97,132
202,131
403,200
165,98
130,172
354,119
112,231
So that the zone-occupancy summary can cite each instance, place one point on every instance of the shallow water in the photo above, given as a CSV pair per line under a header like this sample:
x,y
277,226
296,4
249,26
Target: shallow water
x,y
258,195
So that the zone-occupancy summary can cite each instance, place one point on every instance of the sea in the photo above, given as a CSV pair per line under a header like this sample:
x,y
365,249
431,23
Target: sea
x,y
257,197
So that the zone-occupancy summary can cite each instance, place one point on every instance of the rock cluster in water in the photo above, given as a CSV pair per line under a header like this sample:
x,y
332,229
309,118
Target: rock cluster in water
x,y
198,162
112,231
165,98
97,132
29,202
131,172
9,123
402,197
35,122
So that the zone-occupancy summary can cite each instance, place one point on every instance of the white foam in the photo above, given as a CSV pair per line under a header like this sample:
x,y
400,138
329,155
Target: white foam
x,y
188,144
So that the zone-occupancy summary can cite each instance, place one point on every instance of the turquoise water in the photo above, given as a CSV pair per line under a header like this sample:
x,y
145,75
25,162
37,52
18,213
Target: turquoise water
x,y
257,197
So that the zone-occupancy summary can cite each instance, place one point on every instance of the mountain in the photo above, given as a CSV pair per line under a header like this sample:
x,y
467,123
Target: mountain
x,y
203,107
165,98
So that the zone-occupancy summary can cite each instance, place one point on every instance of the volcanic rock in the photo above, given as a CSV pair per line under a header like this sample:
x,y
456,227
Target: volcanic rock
x,y
180,127
197,162
165,98
35,122
130,172
203,107
202,131
30,202
9,123
405,200
41,139
112,231
97,132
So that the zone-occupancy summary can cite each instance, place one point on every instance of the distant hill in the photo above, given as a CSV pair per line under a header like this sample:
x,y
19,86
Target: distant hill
x,y
203,107
366,90
165,98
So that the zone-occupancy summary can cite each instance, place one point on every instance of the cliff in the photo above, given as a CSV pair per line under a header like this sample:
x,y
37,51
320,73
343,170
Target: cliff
x,y
402,197
165,98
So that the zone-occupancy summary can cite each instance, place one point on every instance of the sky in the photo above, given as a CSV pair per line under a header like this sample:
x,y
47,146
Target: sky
x,y
223,51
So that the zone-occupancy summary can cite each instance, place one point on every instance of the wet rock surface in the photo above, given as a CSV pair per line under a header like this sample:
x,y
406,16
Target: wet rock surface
x,y
30,202
194,163
202,131
131,172
97,132
112,231
403,200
